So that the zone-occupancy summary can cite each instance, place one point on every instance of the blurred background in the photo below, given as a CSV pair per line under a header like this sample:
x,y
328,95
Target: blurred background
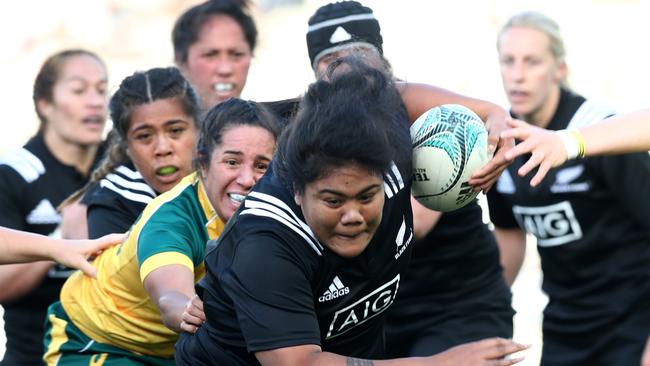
x,y
445,43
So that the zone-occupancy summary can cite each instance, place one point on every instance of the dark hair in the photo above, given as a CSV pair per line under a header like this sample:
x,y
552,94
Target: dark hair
x,y
189,24
230,113
354,115
143,87
49,74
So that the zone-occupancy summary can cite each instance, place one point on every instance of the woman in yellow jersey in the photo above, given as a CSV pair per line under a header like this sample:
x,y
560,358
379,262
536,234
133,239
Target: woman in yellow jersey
x,y
130,314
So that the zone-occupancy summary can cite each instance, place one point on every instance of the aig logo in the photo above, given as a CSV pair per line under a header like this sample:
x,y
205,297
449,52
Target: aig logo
x,y
365,309
552,225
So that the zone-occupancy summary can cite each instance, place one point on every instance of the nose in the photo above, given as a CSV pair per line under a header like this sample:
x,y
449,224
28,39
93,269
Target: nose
x,y
224,66
517,72
352,215
163,146
96,99
247,178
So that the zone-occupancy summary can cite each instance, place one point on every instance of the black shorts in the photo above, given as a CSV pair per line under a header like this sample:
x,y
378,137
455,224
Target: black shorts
x,y
621,343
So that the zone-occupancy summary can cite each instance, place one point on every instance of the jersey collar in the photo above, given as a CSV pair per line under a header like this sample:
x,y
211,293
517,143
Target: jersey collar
x,y
214,225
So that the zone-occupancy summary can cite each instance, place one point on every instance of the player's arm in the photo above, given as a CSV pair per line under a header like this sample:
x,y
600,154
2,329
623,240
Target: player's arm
x,y
424,219
419,98
510,237
486,352
19,246
16,279
171,288
512,250
74,224
624,133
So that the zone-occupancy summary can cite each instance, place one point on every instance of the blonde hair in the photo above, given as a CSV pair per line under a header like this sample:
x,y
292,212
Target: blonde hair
x,y
546,25
542,23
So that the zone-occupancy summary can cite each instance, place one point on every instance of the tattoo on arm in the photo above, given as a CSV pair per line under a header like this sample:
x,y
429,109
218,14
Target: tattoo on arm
x,y
350,361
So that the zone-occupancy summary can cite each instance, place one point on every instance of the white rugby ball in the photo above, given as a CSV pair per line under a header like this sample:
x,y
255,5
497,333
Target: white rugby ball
x,y
449,145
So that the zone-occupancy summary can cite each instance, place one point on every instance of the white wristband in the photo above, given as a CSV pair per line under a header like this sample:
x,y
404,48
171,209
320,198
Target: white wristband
x,y
570,144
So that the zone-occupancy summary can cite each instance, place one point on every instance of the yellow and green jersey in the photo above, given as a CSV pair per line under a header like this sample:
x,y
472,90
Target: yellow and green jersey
x,y
114,308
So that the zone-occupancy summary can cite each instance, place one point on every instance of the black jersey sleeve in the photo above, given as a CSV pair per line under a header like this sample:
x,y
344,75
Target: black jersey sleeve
x,y
270,288
109,212
12,211
500,211
628,177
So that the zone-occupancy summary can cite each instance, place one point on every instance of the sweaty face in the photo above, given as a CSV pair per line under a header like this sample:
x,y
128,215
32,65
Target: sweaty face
x,y
77,112
218,62
344,208
160,142
531,75
235,166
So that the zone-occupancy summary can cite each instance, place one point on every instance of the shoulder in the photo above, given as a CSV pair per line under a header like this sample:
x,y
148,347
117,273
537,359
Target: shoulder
x,y
124,184
24,163
270,215
173,210
590,112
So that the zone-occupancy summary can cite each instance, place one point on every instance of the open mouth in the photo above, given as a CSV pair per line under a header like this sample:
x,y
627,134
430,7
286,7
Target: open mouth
x,y
223,87
94,120
236,198
166,170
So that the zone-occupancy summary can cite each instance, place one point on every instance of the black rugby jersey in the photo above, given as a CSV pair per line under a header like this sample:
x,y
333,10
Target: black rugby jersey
x,y
591,218
454,276
271,284
116,201
32,184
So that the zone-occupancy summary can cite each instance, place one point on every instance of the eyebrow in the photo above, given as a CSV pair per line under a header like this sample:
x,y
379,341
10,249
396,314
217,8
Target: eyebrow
x,y
145,124
332,191
79,78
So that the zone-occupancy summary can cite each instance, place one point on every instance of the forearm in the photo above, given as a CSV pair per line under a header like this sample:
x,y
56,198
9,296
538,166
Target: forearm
x,y
327,359
17,280
171,305
490,351
170,287
315,357
619,134
512,250
424,220
20,246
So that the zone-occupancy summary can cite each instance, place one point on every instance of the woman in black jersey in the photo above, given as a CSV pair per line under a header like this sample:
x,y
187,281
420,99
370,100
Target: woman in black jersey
x,y
70,101
590,216
151,147
306,270
454,291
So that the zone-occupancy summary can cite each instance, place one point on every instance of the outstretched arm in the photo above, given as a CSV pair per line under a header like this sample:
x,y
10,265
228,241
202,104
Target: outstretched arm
x,y
486,352
19,247
620,134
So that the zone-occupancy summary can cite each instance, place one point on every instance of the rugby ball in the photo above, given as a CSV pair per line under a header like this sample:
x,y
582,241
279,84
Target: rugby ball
x,y
449,145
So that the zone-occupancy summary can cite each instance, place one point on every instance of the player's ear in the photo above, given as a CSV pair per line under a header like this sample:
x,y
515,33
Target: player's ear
x,y
297,197
561,72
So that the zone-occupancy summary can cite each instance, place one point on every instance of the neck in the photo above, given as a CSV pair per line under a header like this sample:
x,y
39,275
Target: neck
x,y
542,116
79,156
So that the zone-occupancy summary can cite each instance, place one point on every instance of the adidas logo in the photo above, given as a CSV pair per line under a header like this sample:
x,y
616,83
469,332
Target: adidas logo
x,y
43,214
340,35
336,289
